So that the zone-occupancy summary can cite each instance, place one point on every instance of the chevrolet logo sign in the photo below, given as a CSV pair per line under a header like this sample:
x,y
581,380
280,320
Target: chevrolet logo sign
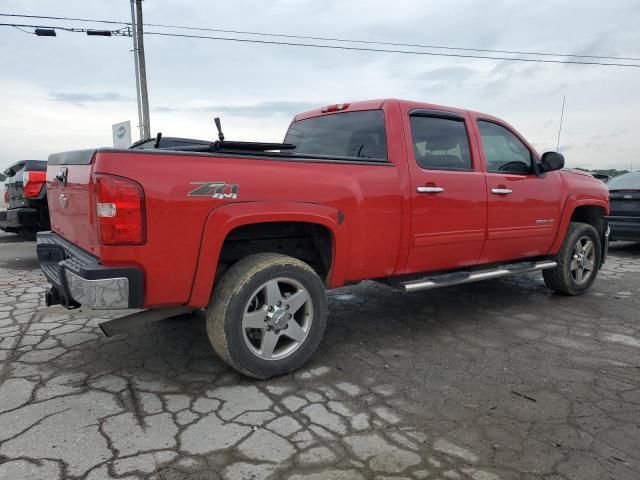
x,y
628,197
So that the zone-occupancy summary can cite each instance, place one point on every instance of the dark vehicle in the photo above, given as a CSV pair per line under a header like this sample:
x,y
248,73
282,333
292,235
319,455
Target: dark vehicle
x,y
601,176
624,219
26,199
167,143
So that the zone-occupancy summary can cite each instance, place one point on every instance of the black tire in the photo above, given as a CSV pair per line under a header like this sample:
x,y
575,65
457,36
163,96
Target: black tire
x,y
230,298
561,279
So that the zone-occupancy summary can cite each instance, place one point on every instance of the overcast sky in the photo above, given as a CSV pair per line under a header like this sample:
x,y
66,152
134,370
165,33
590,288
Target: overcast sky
x,y
64,93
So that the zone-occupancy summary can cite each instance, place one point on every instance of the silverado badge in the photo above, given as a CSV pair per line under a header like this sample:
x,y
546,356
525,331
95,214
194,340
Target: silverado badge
x,y
218,190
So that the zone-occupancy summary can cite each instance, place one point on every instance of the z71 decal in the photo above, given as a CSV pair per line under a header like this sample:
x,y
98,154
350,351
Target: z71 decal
x,y
218,190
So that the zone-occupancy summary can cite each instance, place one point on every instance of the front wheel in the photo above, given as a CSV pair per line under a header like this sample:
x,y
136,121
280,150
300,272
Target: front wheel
x,y
578,260
267,315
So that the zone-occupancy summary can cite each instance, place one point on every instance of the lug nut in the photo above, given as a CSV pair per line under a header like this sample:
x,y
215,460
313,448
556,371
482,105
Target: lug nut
x,y
288,307
270,308
279,304
290,316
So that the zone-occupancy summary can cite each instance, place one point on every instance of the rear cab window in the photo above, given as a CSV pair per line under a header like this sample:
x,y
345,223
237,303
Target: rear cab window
x,y
359,135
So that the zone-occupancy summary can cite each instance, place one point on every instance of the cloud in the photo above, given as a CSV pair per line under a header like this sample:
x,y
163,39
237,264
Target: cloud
x,y
261,109
90,84
78,98
455,73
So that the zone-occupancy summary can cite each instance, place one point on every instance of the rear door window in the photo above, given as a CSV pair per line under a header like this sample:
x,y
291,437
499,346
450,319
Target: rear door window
x,y
358,135
440,143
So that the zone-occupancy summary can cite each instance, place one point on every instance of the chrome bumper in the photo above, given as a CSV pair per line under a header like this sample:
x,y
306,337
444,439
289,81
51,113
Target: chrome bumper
x,y
104,294
78,278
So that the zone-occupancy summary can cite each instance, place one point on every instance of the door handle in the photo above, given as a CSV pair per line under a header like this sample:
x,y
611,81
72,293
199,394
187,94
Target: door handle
x,y
430,189
501,191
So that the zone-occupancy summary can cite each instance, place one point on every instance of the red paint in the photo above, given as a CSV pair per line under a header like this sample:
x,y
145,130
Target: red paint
x,y
380,225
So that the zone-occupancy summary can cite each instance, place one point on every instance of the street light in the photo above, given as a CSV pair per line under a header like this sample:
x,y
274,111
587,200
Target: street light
x,y
99,33
45,32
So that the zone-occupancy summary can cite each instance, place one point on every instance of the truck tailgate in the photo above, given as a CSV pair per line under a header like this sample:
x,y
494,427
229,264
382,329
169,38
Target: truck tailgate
x,y
69,194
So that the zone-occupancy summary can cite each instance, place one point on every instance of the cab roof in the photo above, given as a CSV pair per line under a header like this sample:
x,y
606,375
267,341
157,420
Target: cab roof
x,y
379,103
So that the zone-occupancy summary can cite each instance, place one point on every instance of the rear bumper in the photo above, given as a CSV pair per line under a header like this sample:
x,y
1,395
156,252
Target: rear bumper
x,y
624,228
77,278
20,218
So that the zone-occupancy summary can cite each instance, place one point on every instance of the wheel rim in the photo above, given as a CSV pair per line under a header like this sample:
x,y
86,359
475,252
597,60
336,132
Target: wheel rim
x,y
583,262
277,318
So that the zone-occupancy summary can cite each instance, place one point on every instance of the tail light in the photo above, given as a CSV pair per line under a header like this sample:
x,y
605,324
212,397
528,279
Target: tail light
x,y
335,108
32,183
119,210
6,195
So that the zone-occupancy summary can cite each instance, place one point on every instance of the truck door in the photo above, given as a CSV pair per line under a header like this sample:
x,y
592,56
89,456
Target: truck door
x,y
524,209
448,192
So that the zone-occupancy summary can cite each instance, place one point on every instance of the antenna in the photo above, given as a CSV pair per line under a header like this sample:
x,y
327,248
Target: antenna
x,y
561,118
219,127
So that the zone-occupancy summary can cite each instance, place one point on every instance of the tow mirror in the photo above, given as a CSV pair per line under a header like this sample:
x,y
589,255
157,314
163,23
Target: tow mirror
x,y
551,161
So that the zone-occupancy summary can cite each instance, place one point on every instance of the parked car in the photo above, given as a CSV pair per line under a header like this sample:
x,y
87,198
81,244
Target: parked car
x,y
26,199
414,195
624,219
601,176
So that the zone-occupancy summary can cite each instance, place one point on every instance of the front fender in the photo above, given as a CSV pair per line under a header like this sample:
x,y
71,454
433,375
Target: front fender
x,y
221,221
574,201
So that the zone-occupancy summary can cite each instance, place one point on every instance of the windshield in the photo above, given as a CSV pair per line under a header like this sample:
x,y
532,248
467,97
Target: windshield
x,y
351,134
628,181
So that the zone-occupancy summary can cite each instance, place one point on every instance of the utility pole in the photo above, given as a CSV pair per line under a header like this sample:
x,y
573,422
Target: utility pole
x,y
135,64
140,69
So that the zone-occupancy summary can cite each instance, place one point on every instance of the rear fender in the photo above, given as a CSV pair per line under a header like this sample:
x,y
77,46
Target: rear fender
x,y
226,218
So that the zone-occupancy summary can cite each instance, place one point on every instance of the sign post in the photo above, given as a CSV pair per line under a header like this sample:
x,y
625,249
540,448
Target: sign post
x,y
122,134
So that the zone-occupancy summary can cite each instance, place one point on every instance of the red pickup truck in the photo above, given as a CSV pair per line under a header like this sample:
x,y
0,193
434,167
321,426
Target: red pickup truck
x,y
411,194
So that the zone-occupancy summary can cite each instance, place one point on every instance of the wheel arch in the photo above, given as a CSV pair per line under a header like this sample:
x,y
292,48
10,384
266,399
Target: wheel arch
x,y
586,210
238,220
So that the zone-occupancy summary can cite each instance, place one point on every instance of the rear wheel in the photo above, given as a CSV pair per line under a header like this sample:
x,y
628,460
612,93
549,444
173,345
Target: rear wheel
x,y
578,260
267,315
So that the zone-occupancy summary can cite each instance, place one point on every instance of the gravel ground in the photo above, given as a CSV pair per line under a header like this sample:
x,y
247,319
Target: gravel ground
x,y
496,380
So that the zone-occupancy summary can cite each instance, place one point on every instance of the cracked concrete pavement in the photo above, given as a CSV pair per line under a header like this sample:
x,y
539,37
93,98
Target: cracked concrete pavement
x,y
497,380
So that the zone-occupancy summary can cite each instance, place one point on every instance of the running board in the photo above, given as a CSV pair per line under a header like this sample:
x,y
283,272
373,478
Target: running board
x,y
458,278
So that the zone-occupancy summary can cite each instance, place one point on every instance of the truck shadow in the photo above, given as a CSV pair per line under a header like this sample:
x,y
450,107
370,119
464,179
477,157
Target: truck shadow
x,y
365,323
12,238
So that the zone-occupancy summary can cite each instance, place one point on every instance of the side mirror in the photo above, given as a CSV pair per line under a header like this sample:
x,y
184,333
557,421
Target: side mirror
x,y
551,161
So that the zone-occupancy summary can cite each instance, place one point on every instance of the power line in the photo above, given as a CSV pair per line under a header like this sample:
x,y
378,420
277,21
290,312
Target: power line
x,y
122,32
25,31
382,50
347,48
332,39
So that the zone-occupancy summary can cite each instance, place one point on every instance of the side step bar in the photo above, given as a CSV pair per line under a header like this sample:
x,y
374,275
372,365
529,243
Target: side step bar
x,y
458,278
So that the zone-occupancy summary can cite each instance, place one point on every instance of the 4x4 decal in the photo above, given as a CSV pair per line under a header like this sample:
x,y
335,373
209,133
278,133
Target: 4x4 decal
x,y
218,190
